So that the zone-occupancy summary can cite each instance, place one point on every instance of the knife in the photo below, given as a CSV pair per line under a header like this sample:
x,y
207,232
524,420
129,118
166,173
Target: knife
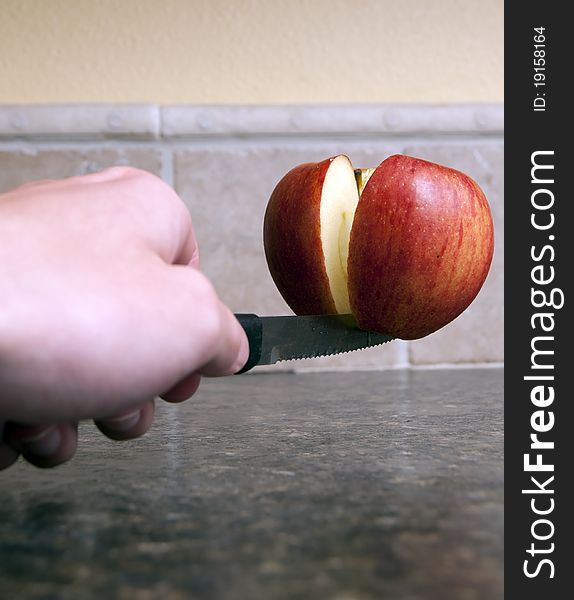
x,y
272,339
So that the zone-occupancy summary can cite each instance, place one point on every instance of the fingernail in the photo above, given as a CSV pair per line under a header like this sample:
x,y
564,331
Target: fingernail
x,y
125,422
243,354
44,443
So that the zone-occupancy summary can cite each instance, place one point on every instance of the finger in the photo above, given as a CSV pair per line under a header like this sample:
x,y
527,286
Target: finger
x,y
147,212
193,251
128,425
43,445
8,456
183,390
198,333
155,213
232,349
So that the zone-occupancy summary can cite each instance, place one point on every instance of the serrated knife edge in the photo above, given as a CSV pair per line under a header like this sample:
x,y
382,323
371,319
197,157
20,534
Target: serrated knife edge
x,y
280,338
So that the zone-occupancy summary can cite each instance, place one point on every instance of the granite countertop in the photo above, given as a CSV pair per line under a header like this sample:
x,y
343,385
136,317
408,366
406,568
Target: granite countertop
x,y
334,485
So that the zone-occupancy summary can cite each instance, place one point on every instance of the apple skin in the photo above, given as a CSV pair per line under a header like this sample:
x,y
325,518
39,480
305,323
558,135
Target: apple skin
x,y
420,249
292,240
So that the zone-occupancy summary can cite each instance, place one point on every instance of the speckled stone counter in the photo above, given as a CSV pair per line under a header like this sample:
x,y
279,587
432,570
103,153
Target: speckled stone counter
x,y
344,486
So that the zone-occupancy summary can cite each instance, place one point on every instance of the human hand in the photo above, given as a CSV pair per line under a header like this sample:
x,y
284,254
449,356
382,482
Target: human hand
x,y
102,309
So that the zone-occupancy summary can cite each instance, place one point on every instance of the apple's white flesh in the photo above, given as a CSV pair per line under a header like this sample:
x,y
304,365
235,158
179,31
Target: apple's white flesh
x,y
339,198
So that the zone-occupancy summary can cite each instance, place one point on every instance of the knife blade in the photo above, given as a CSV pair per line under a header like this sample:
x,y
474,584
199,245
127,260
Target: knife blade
x,y
272,339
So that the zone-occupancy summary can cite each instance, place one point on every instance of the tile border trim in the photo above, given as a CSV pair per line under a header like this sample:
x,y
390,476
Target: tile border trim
x,y
149,122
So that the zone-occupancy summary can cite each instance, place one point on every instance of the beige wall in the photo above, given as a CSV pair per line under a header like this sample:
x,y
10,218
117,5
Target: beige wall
x,y
251,51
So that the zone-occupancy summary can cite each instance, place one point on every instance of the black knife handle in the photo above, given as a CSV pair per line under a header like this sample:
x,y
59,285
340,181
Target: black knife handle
x,y
254,329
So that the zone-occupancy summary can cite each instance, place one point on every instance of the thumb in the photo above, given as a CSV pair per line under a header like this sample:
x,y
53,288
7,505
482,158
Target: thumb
x,y
229,354
231,348
205,334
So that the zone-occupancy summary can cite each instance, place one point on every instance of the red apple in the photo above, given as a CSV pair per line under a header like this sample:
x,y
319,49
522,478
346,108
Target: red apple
x,y
405,247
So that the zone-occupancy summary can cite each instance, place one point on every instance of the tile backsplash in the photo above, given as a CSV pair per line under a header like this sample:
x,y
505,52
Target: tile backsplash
x,y
224,163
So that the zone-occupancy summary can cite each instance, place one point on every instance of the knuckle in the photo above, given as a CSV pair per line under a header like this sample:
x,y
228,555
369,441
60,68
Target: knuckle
x,y
152,193
149,182
118,172
128,172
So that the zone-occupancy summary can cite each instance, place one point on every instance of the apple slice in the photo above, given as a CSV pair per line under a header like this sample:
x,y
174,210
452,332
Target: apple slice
x,y
339,201
306,235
